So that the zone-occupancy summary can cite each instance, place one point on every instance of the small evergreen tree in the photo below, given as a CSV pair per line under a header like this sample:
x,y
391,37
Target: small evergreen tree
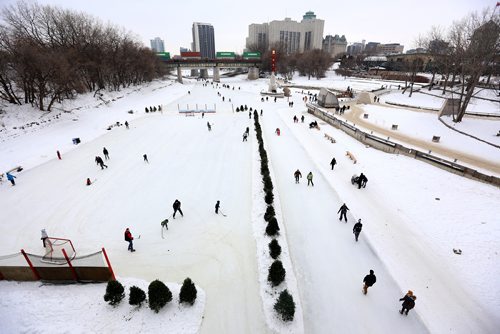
x,y
136,296
272,227
269,213
274,249
158,295
285,306
237,109
114,293
188,292
276,273
269,198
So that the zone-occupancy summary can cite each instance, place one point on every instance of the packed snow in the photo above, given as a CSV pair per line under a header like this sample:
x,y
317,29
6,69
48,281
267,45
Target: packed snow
x,y
413,216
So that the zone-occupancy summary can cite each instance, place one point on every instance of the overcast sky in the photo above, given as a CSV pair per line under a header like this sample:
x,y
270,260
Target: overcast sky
x,y
385,21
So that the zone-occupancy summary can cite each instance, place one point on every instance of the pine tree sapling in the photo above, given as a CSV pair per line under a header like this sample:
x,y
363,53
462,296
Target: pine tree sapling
x,y
136,296
269,213
272,227
114,293
274,249
269,197
188,292
158,295
285,306
276,273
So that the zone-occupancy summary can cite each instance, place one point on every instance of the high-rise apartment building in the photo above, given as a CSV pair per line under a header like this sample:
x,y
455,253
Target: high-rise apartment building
x,y
157,45
203,40
293,36
335,45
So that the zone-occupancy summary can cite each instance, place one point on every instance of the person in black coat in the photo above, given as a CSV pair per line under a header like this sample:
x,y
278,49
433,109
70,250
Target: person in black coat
x,y
408,303
217,206
333,163
106,153
343,210
368,281
177,207
99,161
363,179
357,229
360,180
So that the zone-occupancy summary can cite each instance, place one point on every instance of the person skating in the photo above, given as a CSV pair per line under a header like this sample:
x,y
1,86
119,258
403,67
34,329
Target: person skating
x,y
44,237
59,155
177,207
363,179
302,118
245,136
343,211
368,281
129,238
408,302
297,175
247,130
106,153
126,124
209,126
11,178
333,163
145,157
310,179
357,229
99,161
217,206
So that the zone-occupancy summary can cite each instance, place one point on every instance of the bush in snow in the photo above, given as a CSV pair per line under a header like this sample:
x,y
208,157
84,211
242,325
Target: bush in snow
x,y
188,292
158,295
274,249
269,213
114,293
237,109
269,198
285,306
276,273
268,183
272,227
136,296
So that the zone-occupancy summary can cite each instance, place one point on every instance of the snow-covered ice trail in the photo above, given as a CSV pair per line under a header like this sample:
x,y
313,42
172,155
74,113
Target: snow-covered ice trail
x,y
185,162
330,265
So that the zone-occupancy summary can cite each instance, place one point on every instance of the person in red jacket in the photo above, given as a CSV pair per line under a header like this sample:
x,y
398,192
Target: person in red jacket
x,y
129,238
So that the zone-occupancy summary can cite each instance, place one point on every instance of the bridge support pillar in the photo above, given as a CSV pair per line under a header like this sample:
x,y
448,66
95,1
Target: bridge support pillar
x,y
204,73
253,73
179,75
216,77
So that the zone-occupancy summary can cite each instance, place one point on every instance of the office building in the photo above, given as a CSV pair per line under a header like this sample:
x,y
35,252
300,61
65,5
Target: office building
x,y
203,40
293,36
157,45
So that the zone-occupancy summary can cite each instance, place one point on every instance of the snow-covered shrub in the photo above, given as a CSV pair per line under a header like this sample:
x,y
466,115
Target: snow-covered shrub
x,y
114,293
285,306
274,249
136,296
276,273
188,292
272,227
158,295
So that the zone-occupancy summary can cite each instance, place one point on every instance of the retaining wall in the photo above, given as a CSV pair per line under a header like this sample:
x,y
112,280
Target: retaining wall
x,y
391,147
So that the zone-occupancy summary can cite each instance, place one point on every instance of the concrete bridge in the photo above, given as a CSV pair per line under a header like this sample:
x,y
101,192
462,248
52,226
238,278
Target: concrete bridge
x,y
216,64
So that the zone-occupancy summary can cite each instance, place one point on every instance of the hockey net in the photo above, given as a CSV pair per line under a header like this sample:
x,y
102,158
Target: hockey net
x,y
54,247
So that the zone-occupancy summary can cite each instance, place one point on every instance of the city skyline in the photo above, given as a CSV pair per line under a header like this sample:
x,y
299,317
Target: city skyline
x,y
386,21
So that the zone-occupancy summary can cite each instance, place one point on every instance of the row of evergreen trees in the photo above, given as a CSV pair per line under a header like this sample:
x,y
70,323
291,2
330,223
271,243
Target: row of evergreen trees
x,y
158,294
284,306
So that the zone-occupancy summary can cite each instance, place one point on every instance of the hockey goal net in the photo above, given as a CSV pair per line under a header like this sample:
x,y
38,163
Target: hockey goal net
x,y
54,250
